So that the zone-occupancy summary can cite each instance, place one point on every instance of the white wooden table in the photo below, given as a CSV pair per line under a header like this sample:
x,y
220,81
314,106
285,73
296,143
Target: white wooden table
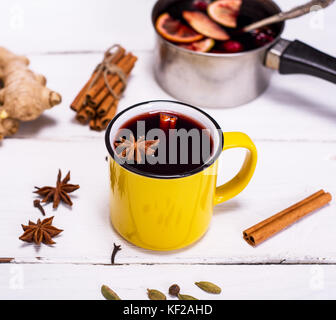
x,y
293,125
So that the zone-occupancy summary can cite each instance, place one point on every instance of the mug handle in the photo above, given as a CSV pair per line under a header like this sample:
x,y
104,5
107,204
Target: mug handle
x,y
241,180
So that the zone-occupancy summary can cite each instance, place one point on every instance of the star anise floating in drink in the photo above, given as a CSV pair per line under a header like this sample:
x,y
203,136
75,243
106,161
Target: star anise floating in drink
x,y
58,193
135,150
40,232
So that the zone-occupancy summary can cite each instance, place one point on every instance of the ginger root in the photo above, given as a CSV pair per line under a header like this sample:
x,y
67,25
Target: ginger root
x,y
24,96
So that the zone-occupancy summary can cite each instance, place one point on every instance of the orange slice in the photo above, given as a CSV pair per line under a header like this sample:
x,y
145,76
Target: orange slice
x,y
173,30
200,46
225,12
204,25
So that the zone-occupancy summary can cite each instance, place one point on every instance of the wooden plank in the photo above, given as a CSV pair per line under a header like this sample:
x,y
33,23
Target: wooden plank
x,y
33,281
63,26
292,124
286,173
282,113
47,26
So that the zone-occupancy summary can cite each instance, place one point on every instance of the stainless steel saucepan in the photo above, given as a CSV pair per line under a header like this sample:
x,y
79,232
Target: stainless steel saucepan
x,y
229,80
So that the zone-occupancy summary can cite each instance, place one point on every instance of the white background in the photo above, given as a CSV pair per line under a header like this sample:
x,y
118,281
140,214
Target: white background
x,y
292,124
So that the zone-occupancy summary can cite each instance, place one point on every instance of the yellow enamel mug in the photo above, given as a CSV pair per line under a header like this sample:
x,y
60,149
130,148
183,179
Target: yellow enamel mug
x,y
171,212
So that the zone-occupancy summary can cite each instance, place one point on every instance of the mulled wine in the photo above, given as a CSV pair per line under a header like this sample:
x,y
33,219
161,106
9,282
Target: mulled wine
x,y
214,26
163,143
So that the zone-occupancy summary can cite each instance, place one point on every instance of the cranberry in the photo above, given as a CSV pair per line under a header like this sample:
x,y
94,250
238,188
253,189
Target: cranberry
x,y
201,5
262,37
232,46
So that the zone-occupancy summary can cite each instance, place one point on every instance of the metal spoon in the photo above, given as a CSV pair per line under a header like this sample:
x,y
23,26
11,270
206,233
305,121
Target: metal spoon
x,y
291,14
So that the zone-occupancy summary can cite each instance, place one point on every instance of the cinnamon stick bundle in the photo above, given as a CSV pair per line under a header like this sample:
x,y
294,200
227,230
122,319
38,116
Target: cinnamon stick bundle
x,y
100,84
95,103
126,66
269,227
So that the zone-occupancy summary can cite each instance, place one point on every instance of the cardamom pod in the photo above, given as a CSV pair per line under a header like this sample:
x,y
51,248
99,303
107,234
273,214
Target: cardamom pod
x,y
108,293
208,287
155,295
185,297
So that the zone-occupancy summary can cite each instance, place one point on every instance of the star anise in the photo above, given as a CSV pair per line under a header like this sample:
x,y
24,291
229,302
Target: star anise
x,y
135,150
59,193
40,231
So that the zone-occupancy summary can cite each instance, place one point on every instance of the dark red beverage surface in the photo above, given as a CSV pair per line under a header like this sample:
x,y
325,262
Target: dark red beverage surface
x,y
152,121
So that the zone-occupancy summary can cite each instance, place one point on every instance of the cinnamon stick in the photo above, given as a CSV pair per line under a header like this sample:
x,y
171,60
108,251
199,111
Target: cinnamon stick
x,y
93,124
105,105
295,206
109,100
269,227
96,124
99,124
110,115
79,101
6,260
91,113
127,68
167,121
82,117
99,85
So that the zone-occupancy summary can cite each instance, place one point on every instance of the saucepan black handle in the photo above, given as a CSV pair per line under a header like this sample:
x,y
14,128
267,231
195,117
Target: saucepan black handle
x,y
297,57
